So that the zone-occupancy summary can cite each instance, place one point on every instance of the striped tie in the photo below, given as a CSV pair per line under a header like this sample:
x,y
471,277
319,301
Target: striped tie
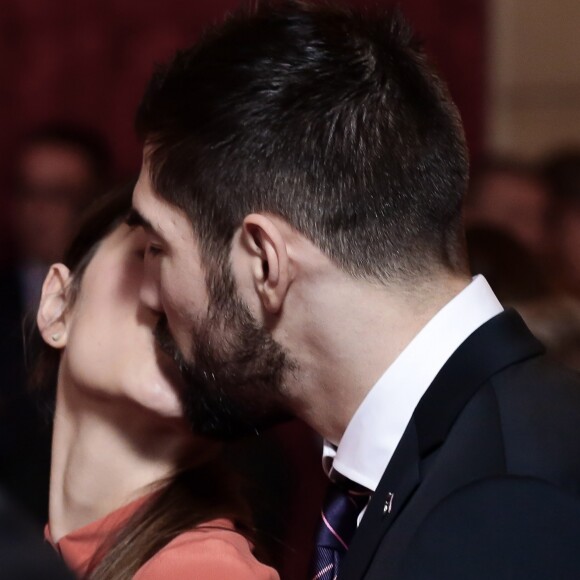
x,y
337,527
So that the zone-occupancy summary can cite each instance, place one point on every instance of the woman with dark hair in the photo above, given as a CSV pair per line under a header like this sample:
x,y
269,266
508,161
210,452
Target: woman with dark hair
x,y
133,493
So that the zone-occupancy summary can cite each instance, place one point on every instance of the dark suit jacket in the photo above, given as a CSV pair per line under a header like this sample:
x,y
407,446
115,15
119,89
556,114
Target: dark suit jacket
x,y
485,483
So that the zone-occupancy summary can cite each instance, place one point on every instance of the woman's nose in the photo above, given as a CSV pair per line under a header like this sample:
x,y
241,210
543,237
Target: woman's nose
x,y
149,294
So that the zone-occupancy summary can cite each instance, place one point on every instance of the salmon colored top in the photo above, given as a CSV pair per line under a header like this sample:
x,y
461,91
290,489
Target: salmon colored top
x,y
211,551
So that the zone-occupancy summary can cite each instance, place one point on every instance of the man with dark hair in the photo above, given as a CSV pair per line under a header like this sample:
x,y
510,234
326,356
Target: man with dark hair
x,y
303,174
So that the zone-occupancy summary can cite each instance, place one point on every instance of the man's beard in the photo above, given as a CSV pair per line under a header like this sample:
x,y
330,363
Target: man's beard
x,y
235,380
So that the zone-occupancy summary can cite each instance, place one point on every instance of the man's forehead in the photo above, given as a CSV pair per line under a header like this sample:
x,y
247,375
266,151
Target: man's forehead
x,y
156,215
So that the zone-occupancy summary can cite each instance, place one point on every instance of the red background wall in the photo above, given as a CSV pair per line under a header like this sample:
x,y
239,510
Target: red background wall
x,y
88,61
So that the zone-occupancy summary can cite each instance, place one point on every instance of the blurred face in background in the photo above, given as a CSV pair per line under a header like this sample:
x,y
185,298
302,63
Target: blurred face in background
x,y
54,183
515,203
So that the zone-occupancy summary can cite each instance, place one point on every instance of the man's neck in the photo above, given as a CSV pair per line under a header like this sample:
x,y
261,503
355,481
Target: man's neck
x,y
355,335
105,453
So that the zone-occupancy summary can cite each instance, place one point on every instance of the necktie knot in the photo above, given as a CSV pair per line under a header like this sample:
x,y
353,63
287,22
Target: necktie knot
x,y
336,529
339,518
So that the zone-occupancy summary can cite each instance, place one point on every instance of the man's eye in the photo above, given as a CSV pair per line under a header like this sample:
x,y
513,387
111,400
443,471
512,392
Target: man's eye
x,y
153,250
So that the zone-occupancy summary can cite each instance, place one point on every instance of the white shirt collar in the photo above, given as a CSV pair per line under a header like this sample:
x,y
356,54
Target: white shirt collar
x,y
377,426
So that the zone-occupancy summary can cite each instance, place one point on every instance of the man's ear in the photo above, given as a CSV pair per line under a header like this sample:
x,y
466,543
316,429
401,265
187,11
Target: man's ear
x,y
271,268
51,318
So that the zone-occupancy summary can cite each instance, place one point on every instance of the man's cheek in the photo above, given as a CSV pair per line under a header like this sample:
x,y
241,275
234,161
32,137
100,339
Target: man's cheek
x,y
173,300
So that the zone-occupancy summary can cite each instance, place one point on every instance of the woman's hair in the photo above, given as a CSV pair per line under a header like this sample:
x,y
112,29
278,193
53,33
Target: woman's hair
x,y
195,493
191,497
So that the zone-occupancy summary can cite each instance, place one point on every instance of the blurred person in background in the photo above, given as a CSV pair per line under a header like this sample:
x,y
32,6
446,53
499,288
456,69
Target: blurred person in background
x,y
520,282
59,169
509,195
524,236
555,320
561,172
509,267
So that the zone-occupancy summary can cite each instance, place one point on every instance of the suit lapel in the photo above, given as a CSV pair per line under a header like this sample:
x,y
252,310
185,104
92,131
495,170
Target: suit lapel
x,y
502,341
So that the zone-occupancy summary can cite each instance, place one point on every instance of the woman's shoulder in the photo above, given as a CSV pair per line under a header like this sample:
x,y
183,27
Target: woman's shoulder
x,y
212,551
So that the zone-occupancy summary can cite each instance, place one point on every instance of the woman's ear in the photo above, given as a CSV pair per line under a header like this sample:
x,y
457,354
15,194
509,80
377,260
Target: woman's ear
x,y
271,268
51,318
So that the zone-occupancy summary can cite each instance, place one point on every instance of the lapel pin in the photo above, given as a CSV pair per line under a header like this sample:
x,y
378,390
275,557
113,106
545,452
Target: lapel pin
x,y
388,503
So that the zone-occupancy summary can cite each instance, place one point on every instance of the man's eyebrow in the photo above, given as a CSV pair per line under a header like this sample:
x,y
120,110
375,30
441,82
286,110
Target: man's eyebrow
x,y
135,220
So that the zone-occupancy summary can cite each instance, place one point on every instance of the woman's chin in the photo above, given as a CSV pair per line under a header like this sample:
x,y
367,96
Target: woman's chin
x,y
159,396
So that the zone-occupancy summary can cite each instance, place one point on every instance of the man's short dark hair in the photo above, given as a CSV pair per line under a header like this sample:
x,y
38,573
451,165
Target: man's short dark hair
x,y
325,116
